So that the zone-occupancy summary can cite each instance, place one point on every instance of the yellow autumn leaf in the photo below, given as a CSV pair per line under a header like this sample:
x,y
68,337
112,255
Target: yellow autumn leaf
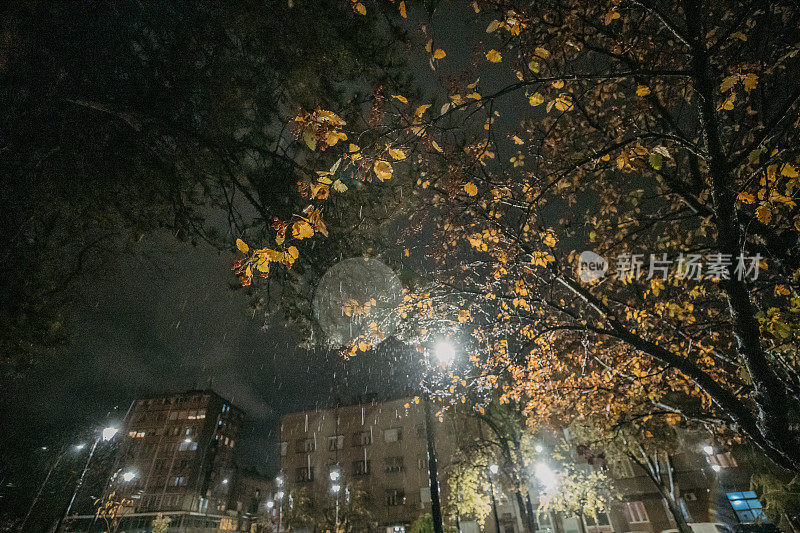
x,y
242,246
642,90
541,52
558,84
535,99
534,66
401,98
471,189
293,252
437,147
338,186
610,17
403,9
302,229
789,171
476,7
764,214
421,110
750,81
564,102
383,170
494,56
439,54
746,197
397,153
359,7
549,240
517,140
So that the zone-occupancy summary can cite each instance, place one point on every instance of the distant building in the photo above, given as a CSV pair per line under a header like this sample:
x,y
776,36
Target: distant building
x,y
713,484
379,445
177,458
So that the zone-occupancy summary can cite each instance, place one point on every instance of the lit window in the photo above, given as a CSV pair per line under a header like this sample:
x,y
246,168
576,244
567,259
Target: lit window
x,y
748,508
187,446
284,447
635,513
136,434
393,434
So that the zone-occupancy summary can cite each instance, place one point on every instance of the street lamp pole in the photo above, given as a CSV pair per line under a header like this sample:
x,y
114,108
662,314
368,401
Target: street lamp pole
x,y
336,487
445,353
436,508
106,434
493,469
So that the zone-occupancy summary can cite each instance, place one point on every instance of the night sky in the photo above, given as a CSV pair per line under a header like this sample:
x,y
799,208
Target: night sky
x,y
165,319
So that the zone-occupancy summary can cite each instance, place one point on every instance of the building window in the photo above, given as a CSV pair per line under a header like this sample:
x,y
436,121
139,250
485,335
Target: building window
x,y
422,463
361,468
600,524
305,445
304,474
393,434
748,508
723,460
178,481
335,442
362,438
395,497
394,465
189,446
622,469
284,447
136,434
635,513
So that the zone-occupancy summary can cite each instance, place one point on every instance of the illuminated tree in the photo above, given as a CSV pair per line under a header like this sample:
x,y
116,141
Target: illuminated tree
x,y
651,129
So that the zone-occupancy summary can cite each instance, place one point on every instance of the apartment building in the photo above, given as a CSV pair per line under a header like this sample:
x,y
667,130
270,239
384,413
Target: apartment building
x,y
713,484
379,444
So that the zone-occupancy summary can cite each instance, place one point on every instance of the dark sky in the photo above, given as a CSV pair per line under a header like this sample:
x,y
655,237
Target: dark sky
x,y
166,319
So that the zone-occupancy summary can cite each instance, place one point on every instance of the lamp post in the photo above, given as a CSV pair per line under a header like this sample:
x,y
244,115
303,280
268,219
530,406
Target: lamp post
x,y
493,470
335,488
444,353
549,481
105,435
279,495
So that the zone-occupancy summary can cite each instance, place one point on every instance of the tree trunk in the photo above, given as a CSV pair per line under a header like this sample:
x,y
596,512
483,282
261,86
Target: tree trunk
x,y
769,392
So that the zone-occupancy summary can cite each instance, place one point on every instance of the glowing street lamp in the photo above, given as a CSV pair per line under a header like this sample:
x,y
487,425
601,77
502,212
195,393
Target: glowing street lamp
x,y
716,468
79,447
494,469
270,504
106,434
708,449
335,475
128,476
444,351
539,448
546,476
